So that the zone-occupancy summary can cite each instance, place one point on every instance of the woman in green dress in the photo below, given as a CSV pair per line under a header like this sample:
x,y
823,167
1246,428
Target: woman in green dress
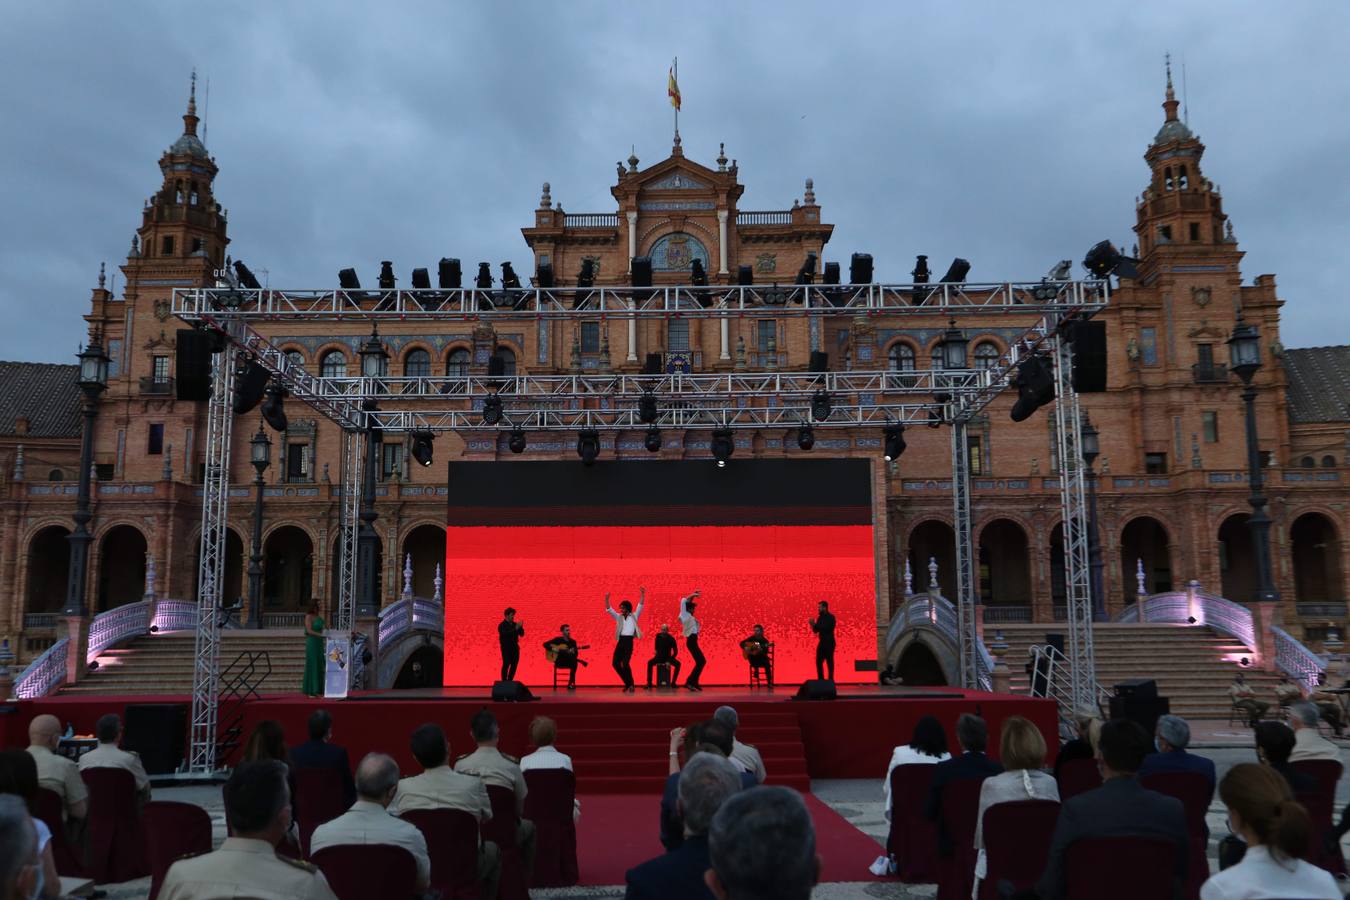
x,y
314,651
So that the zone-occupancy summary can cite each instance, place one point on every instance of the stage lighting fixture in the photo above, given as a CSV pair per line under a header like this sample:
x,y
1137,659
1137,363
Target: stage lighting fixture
x,y
1104,260
953,345
894,441
934,418
273,407
957,272
1035,386
831,273
698,276
517,440
820,361
921,274
492,409
386,275
588,446
820,406
586,277
448,274
653,440
246,278
860,269
807,273
806,437
1061,271
422,447
652,364
484,280
723,446
745,276
647,411
510,280
543,275
250,382
421,279
642,271
348,281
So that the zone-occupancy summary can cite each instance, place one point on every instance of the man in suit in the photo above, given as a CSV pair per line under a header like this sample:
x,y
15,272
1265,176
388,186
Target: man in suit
x,y
1170,739
509,633
973,735
666,650
705,783
319,752
823,626
743,756
1121,807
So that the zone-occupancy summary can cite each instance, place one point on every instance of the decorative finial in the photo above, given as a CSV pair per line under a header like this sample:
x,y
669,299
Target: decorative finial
x,y
439,582
190,120
135,246
546,199
676,149
810,197
1170,103
619,165
633,160
933,586
407,577
721,157
102,278
1139,577
1228,233
909,578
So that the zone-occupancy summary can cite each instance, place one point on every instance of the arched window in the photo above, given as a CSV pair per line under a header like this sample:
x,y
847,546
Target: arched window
x,y
1167,178
902,357
508,358
296,358
937,356
986,355
333,364
1307,462
55,475
417,364
457,363
1183,181
1328,462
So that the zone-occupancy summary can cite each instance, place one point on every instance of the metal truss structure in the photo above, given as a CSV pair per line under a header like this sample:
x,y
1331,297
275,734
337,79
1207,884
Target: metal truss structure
x,y
353,461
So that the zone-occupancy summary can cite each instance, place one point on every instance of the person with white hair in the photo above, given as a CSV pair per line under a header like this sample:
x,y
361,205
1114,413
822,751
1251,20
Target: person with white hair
x,y
762,846
745,756
1308,743
19,865
1171,737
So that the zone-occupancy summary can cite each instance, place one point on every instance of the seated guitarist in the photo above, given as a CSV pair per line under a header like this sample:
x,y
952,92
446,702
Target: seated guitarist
x,y
756,650
563,651
666,648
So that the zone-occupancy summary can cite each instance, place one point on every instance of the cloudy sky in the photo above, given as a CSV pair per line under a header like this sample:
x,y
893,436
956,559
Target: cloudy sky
x,y
350,132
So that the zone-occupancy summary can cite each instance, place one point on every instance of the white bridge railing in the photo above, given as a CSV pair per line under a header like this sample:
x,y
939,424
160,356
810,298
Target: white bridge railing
x,y
930,610
410,613
174,615
1194,606
119,624
1296,660
45,673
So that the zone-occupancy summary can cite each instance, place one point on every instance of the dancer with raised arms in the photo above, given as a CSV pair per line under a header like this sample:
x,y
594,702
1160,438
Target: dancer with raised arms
x,y
626,630
690,628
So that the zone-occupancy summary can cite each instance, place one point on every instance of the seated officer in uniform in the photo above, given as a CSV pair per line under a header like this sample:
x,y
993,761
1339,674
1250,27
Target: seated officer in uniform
x,y
247,864
55,772
110,756
441,787
495,768
756,650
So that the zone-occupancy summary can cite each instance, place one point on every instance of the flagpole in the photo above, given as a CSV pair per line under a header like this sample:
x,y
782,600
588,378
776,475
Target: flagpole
x,y
677,107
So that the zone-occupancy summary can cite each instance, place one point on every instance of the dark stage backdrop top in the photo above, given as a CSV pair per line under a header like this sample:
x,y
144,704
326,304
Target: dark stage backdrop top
x,y
661,492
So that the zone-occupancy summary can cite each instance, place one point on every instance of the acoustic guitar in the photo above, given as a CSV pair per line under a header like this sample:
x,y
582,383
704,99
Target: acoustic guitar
x,y
553,648
753,649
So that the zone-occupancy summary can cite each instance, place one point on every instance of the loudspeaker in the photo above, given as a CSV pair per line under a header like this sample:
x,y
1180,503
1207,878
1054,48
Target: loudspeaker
x,y
193,350
448,274
544,275
157,731
820,361
816,689
249,384
421,279
1139,688
832,273
642,271
653,364
511,692
1144,710
1089,356
860,269
496,366
745,275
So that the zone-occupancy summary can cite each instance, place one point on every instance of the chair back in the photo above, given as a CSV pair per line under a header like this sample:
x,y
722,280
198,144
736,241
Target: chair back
x,y
1016,843
452,843
362,871
1319,806
501,828
116,848
319,798
1078,776
912,839
50,808
956,837
1326,771
1194,792
1120,868
172,831
549,805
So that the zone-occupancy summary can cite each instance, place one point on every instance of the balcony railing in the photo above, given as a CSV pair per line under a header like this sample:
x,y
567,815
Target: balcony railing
x,y
591,220
1329,609
35,621
152,385
283,619
1001,614
775,217
1211,373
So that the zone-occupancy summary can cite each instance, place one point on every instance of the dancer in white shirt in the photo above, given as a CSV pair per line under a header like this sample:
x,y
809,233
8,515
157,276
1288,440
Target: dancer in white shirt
x,y
690,627
625,631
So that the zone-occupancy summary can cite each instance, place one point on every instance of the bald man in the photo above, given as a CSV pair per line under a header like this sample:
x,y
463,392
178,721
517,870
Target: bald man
x,y
55,772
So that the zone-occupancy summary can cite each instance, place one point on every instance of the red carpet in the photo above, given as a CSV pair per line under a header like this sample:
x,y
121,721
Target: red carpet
x,y
618,831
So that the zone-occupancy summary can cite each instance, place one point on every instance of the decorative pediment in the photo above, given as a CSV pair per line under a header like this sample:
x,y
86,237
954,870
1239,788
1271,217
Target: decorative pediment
x,y
677,181
161,341
1207,330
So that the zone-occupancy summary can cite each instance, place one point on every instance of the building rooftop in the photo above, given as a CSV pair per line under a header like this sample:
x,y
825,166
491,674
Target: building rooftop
x,y
1319,384
46,394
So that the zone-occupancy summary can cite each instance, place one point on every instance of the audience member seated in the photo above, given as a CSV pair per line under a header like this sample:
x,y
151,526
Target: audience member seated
x,y
369,821
1084,746
1262,811
55,772
1308,744
705,783
494,767
928,744
762,844
1329,705
319,752
973,735
267,743
1120,807
1287,691
441,787
247,864
1243,697
1275,742
19,869
743,756
1022,750
1171,737
110,756
543,733
707,737
18,777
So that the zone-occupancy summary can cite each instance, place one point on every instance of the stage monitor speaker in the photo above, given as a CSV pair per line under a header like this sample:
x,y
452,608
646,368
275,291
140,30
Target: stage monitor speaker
x,y
158,732
511,692
193,350
249,384
820,361
496,366
642,271
1144,710
860,269
1139,688
816,689
653,364
832,273
745,275
1089,357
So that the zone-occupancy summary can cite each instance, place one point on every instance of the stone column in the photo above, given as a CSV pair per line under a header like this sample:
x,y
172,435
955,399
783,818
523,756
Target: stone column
x,y
77,629
632,237
632,333
724,331
1265,613
722,244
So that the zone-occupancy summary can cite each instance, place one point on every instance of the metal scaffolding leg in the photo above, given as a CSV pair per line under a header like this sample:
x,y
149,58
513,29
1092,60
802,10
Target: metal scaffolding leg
x,y
967,609
210,574
353,447
1077,572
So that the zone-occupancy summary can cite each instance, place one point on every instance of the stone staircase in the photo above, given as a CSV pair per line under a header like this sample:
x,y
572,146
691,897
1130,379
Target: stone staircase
x,y
1193,665
162,663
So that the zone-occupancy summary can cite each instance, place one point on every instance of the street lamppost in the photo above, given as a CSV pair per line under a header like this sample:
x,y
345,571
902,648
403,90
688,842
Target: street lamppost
x,y
374,365
1091,450
260,454
93,382
1244,356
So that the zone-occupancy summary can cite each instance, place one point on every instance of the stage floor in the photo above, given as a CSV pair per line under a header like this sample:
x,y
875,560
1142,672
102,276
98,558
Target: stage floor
x,y
719,695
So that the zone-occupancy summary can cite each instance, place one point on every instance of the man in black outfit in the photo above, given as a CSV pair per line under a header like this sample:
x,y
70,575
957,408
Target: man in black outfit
x,y
756,649
319,752
973,735
509,633
823,626
666,649
689,625
565,658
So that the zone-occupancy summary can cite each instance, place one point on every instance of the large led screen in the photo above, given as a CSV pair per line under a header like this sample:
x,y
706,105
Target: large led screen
x,y
762,541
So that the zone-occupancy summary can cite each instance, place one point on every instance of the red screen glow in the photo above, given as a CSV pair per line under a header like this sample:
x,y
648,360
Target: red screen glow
x,y
771,575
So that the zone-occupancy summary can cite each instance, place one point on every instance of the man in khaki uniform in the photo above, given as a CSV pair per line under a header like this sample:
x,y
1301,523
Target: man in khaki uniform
x,y
55,772
107,755
441,787
496,768
247,864
1244,698
369,822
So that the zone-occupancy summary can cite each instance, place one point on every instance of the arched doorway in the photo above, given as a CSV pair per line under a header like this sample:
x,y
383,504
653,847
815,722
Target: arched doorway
x,y
936,541
1145,539
121,567
918,666
1237,559
1316,554
422,668
426,544
233,585
1004,571
335,575
288,569
48,570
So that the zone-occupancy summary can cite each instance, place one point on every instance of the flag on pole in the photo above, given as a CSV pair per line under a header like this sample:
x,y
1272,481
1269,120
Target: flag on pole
x,y
673,89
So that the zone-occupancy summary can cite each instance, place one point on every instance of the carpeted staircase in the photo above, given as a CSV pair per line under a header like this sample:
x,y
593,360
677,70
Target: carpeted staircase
x,y
162,663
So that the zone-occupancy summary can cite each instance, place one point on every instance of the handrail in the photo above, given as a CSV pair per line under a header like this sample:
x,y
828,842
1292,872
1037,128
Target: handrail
x,y
1057,683
174,615
44,673
1292,657
117,625
417,613
1195,606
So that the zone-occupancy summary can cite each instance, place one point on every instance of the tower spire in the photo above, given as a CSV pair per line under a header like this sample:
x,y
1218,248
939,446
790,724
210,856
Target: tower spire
x,y
1170,103
190,119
